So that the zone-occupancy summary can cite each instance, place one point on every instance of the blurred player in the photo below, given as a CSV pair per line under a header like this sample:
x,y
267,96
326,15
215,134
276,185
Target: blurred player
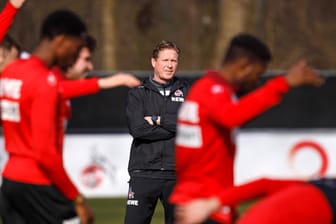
x,y
205,144
9,51
8,14
34,180
282,201
70,88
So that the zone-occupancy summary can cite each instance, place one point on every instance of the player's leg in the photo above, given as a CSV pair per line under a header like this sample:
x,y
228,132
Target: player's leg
x,y
39,203
167,188
142,198
299,204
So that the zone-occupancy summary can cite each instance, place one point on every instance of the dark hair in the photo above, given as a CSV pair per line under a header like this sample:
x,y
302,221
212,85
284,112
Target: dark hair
x,y
246,45
164,45
8,42
62,22
90,42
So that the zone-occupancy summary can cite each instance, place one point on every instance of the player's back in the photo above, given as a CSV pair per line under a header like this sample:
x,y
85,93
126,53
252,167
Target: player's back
x,y
18,85
22,84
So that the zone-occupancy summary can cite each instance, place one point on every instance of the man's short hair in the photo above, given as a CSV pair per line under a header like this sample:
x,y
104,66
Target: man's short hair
x,y
164,45
8,42
62,22
247,46
90,43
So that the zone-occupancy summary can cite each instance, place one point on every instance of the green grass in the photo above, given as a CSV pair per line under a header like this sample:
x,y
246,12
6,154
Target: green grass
x,y
112,211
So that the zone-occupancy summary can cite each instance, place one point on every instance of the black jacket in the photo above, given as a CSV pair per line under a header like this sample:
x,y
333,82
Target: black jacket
x,y
153,145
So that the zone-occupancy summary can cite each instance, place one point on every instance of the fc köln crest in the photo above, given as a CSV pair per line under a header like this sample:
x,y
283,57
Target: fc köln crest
x,y
178,93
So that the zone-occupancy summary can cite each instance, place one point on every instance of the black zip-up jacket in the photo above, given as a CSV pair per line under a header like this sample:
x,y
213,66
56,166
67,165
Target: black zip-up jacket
x,y
152,148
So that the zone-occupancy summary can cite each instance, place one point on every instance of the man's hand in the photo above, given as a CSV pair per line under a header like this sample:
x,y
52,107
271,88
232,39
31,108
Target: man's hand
x,y
149,120
119,79
17,3
196,211
83,210
301,74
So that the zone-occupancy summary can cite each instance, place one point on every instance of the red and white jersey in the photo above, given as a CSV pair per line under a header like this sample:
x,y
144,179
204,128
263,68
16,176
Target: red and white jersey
x,y
30,101
205,146
7,16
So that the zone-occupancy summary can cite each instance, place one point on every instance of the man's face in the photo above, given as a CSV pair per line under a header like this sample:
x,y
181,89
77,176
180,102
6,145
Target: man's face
x,y
250,75
165,65
82,65
67,51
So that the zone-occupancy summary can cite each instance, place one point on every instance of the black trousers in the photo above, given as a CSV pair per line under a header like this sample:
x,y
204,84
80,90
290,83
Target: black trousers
x,y
143,195
35,204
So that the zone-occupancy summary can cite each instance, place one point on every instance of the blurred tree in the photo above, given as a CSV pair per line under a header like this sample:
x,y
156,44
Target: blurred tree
x,y
127,30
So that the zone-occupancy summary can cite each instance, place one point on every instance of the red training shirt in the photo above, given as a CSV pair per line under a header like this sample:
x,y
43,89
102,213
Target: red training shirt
x,y
30,99
7,16
205,145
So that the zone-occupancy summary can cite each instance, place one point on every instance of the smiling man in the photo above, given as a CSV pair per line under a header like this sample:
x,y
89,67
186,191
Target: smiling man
x,y
151,113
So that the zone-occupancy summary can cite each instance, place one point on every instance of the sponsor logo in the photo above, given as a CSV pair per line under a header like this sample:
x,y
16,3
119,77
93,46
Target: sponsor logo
x,y
177,99
189,136
10,111
304,150
131,196
133,202
10,88
189,112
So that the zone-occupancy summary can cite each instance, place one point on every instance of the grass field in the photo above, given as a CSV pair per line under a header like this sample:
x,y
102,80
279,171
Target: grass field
x,y
112,211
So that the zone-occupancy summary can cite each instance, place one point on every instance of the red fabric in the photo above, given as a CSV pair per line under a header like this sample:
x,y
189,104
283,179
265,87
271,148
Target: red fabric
x,y
205,146
254,189
75,88
7,16
70,89
298,204
30,130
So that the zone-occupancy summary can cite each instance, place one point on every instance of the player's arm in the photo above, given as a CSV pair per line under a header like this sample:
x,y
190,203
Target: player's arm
x,y
17,3
7,16
75,88
139,127
49,156
198,210
232,114
118,79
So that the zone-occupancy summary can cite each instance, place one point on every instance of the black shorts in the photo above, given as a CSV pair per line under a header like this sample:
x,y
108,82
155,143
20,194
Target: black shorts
x,y
37,204
328,188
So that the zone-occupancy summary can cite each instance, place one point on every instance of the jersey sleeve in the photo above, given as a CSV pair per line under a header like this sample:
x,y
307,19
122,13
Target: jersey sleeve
x,y
7,16
75,88
233,113
44,138
255,189
138,126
